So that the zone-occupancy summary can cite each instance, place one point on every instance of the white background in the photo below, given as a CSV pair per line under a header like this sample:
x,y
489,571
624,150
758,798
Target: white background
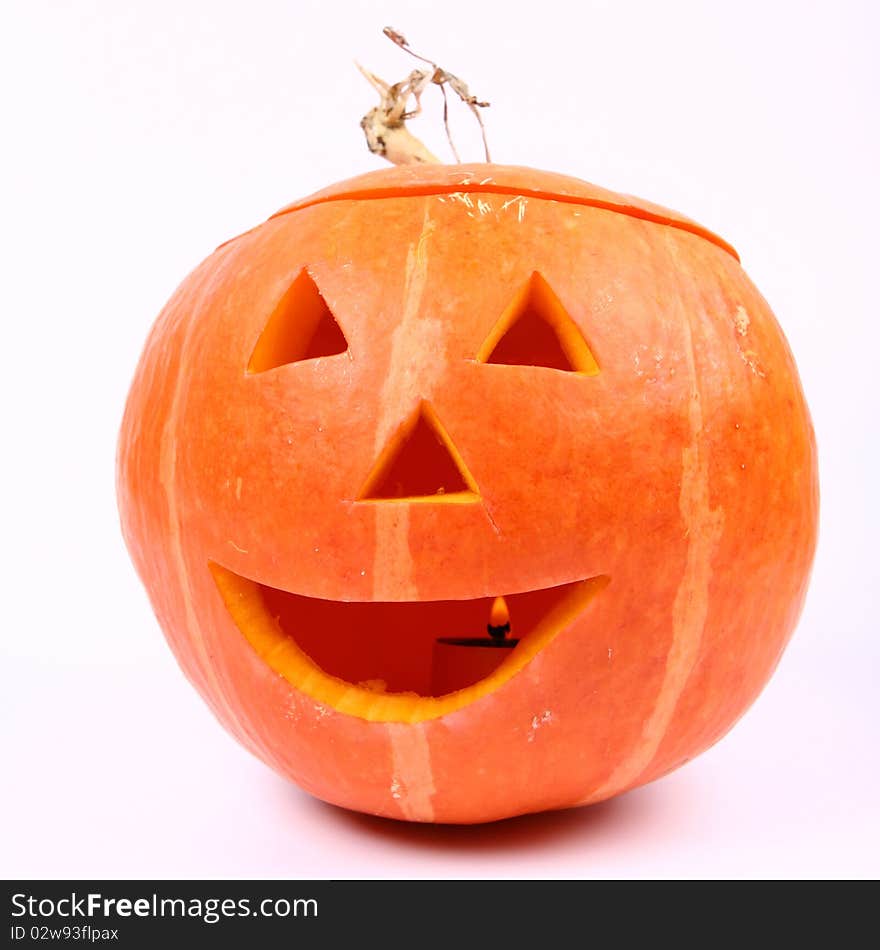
x,y
140,135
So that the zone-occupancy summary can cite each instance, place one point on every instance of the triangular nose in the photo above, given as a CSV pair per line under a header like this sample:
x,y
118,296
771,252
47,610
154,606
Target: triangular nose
x,y
420,463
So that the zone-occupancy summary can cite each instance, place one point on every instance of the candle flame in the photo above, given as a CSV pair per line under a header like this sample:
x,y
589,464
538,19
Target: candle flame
x,y
499,615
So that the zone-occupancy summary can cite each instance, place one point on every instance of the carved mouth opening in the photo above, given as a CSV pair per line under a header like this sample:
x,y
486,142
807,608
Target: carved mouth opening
x,y
398,661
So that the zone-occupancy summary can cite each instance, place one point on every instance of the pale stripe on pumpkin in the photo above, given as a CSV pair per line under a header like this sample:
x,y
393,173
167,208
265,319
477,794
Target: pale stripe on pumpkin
x,y
412,779
703,527
168,480
416,342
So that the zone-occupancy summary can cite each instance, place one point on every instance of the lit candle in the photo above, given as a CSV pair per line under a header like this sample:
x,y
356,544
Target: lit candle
x,y
499,621
461,661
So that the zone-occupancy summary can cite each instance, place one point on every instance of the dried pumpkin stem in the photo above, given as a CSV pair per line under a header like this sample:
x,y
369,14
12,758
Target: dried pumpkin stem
x,y
385,125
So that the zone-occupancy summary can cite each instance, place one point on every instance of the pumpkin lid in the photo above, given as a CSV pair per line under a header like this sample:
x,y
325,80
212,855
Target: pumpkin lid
x,y
402,180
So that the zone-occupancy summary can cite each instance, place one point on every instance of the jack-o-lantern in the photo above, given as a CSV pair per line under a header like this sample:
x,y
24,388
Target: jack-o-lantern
x,y
439,398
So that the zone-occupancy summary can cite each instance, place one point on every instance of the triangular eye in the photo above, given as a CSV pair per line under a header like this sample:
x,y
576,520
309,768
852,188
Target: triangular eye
x,y
300,328
420,462
536,330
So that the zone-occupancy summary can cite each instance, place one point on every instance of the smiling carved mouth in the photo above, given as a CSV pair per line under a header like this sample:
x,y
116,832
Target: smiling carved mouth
x,y
387,661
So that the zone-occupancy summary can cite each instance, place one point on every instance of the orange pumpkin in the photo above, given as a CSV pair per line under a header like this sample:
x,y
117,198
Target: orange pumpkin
x,y
356,426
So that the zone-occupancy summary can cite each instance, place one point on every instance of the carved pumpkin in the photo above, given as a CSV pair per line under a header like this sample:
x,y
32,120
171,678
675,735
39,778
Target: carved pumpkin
x,y
358,425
